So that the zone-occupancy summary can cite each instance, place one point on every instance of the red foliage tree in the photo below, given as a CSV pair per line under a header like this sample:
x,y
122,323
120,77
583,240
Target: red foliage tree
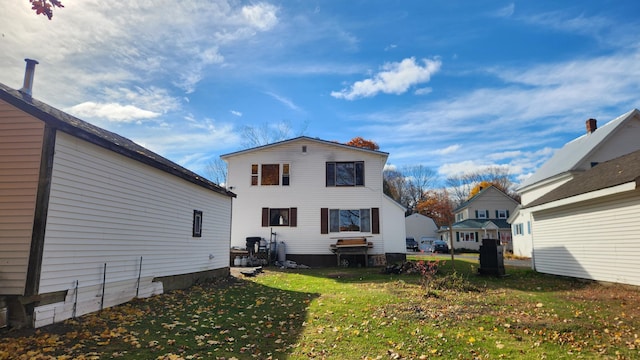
x,y
45,7
438,206
362,143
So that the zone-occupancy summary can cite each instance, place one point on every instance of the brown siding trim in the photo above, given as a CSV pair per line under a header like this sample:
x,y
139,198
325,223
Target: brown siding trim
x,y
375,220
41,211
265,217
293,217
324,220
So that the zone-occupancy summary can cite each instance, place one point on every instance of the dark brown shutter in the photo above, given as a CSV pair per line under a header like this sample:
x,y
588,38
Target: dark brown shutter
x,y
375,220
324,221
265,217
293,217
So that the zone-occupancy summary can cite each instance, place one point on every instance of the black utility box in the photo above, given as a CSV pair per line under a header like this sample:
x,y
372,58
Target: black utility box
x,y
491,258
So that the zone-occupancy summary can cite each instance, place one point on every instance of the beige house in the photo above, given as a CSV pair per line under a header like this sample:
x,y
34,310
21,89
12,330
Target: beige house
x,y
599,144
90,219
484,216
588,227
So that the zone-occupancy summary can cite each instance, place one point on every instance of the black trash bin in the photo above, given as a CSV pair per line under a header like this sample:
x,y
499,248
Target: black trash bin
x,y
251,244
491,258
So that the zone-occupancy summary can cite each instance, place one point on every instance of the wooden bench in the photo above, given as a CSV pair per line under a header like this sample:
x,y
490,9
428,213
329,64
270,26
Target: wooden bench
x,y
352,246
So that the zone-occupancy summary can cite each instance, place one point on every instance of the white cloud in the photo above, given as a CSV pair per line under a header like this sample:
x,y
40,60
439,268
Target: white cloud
x,y
506,11
448,150
394,78
111,112
262,15
423,91
235,113
287,102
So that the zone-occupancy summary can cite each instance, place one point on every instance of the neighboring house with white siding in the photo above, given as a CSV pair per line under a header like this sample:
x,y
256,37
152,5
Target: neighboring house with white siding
x,y
422,228
484,216
89,219
588,227
616,138
311,192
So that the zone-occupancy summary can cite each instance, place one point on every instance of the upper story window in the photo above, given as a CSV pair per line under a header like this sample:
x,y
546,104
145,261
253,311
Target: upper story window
x,y
502,214
269,174
346,173
482,214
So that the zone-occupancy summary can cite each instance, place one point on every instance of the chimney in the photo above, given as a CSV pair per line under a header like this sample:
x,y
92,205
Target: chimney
x,y
592,125
28,76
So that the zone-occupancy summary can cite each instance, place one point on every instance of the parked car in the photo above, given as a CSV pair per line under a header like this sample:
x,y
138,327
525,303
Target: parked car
x,y
412,244
440,246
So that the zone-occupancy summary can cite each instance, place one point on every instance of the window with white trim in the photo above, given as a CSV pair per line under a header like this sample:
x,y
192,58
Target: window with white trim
x,y
518,229
467,236
502,214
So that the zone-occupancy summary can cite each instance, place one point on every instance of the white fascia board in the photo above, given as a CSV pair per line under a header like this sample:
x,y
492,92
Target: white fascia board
x,y
630,186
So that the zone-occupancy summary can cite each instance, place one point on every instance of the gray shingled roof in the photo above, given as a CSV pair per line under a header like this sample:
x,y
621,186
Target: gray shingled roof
x,y
101,137
607,174
479,224
574,152
299,138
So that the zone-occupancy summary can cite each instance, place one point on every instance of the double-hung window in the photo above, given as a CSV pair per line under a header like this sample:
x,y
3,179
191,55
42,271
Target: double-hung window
x,y
279,217
350,220
342,220
345,173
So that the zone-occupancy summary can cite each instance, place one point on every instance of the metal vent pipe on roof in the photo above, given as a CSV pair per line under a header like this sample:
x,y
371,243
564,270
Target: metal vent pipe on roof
x,y
29,72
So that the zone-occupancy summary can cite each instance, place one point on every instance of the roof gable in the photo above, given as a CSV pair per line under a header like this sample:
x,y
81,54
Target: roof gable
x,y
481,194
81,129
618,171
573,153
304,139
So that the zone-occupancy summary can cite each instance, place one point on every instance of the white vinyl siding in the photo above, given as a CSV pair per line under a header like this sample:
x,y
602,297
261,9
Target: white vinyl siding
x,y
595,240
20,152
307,192
107,208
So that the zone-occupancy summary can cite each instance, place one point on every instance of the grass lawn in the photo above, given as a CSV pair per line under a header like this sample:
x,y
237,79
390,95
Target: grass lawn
x,y
348,313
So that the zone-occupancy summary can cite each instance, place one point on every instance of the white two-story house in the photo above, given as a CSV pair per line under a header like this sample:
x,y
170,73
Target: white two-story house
x,y
484,216
310,193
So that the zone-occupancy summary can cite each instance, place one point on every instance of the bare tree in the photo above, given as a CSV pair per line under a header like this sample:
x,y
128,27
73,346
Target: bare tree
x,y
394,185
460,186
409,185
268,133
217,171
419,179
252,136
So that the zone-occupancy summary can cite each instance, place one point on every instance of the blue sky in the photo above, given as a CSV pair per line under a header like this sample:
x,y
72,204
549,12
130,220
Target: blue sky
x,y
452,85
